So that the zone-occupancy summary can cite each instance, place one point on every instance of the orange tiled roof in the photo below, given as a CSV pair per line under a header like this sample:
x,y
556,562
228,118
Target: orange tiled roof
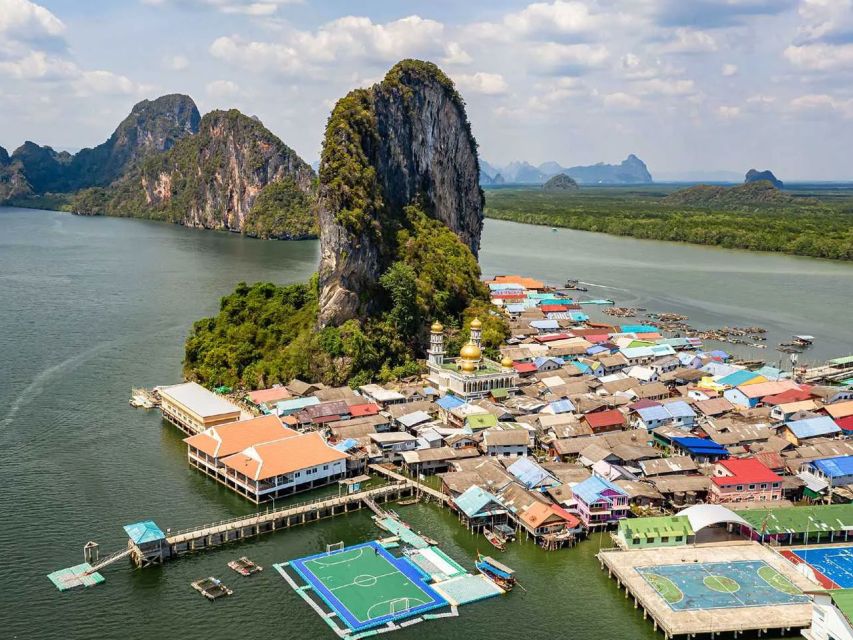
x,y
235,436
527,283
276,458
274,394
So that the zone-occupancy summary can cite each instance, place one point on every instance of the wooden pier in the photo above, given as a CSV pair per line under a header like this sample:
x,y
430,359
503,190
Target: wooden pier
x,y
213,535
418,486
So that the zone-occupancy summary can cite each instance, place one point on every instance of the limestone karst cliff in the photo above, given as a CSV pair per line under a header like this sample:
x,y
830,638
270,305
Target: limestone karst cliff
x,y
404,141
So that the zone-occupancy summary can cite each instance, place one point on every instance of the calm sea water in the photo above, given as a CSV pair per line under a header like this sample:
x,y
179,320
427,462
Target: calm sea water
x,y
90,307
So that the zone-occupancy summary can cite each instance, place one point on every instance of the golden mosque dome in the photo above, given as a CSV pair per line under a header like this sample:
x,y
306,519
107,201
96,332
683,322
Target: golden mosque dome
x,y
470,352
468,366
506,362
436,327
476,324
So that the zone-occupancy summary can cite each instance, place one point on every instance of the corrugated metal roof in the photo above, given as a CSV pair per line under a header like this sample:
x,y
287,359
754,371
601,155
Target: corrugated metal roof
x,y
145,531
700,446
449,402
835,467
591,489
812,427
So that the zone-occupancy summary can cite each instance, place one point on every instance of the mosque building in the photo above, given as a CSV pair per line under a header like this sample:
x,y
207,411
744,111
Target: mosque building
x,y
471,376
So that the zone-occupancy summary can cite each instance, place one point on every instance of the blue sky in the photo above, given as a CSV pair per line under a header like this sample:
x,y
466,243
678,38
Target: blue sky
x,y
685,84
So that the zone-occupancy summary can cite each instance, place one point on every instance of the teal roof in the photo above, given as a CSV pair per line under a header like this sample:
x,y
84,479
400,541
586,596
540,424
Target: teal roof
x,y
474,500
145,531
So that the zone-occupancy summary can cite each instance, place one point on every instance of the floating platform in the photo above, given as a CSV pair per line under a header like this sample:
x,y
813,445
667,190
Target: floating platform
x,y
597,302
244,566
211,588
467,589
720,588
436,564
80,575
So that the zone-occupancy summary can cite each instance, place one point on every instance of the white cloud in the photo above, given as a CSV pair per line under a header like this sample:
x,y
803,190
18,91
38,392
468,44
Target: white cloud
x,y
821,56
666,87
728,112
549,19
822,102
729,70
38,65
221,89
244,7
455,54
569,59
351,38
686,40
825,17
621,101
100,82
490,84
177,63
24,20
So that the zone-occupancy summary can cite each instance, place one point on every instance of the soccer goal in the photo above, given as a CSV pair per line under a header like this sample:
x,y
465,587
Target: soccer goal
x,y
400,605
334,548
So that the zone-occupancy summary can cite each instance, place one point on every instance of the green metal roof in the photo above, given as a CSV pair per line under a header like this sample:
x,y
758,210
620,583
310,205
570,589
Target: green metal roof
x,y
842,361
655,527
843,599
824,518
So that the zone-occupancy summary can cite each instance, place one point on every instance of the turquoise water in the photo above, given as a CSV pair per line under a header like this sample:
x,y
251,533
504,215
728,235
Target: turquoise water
x,y
94,306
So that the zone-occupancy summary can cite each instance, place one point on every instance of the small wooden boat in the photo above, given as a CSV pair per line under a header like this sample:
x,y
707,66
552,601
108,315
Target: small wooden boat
x,y
496,571
804,341
244,566
496,540
405,502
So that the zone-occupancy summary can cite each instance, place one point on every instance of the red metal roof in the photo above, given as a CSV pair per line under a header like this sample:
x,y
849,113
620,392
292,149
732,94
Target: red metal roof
x,y
845,423
524,367
553,308
791,395
744,471
551,337
361,410
605,418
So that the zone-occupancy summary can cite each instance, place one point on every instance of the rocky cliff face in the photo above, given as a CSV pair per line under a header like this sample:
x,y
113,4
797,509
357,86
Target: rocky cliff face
x,y
404,141
13,184
153,126
214,178
754,175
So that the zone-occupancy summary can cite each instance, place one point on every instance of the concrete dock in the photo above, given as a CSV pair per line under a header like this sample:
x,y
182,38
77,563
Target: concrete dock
x,y
622,565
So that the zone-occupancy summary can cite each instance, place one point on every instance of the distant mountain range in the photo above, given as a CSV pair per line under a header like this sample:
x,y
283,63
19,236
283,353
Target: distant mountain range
x,y
631,170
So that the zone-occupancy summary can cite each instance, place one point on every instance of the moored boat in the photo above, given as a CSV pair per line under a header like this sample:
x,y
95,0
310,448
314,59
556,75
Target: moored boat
x,y
496,540
496,571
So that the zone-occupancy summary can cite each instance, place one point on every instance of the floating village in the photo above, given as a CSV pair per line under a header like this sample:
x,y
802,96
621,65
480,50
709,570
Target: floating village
x,y
724,486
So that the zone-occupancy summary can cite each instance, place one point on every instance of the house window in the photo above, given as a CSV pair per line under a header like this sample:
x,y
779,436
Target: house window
x,y
739,487
752,487
763,485
678,538
664,539
325,467
775,485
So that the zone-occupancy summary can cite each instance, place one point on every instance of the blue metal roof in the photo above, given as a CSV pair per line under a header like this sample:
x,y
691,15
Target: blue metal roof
x,y
737,378
143,532
639,328
562,406
474,499
515,308
590,490
530,474
812,427
295,404
449,403
346,445
578,316
835,467
658,412
680,409
544,324
596,348
543,359
701,446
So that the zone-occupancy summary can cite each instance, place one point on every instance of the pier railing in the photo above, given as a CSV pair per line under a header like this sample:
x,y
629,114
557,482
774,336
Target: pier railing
x,y
288,509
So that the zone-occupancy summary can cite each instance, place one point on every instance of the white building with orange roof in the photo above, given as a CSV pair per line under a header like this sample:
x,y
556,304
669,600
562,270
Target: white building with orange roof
x,y
205,450
281,467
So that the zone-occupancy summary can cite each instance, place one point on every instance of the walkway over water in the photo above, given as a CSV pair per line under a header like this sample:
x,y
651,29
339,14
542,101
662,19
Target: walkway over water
x,y
433,493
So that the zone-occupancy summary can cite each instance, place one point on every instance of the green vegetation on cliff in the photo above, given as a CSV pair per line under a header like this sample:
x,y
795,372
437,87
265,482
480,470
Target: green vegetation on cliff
x,y
282,210
265,333
816,223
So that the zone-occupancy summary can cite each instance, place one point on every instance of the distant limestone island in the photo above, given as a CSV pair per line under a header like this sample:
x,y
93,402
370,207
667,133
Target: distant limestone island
x,y
631,170
560,182
753,175
166,162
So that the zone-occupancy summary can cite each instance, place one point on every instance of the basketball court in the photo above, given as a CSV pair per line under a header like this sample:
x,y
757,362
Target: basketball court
x,y
366,586
721,585
834,563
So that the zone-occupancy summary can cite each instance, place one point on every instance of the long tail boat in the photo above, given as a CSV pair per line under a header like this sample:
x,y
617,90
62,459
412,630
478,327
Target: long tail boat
x,y
496,571
497,541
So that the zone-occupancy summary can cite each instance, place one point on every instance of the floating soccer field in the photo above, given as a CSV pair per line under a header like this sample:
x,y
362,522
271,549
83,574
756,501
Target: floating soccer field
x,y
721,585
367,587
835,563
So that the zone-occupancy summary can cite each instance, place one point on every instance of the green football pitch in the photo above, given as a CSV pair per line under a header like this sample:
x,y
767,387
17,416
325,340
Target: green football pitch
x,y
367,586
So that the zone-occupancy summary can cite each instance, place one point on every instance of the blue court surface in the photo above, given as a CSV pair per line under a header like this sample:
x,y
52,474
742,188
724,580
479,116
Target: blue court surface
x,y
836,563
721,585
368,587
